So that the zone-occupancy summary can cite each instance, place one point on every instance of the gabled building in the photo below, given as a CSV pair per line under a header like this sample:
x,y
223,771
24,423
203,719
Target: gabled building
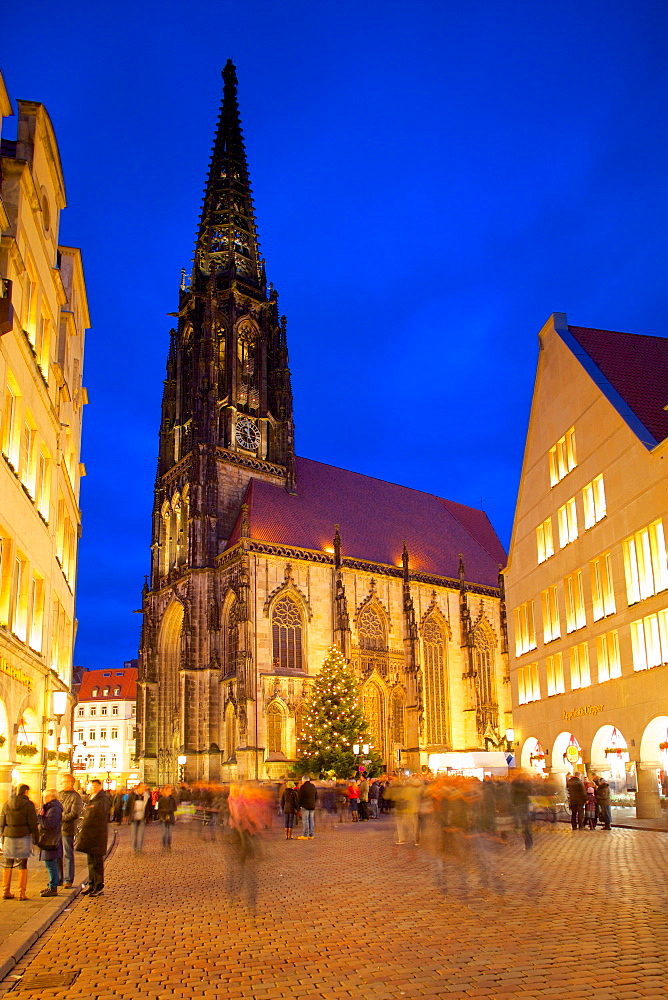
x,y
587,575
43,319
105,727
261,560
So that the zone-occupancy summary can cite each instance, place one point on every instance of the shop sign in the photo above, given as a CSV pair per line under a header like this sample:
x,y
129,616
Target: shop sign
x,y
572,754
15,673
577,713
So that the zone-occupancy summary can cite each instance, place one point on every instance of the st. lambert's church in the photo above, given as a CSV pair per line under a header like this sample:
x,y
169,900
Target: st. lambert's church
x,y
261,560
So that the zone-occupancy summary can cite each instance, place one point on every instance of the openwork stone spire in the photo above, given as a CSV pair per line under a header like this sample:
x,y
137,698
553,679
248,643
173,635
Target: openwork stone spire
x,y
227,243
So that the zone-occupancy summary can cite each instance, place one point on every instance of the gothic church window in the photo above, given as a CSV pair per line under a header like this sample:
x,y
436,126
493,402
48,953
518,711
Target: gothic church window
x,y
274,729
247,392
374,715
287,635
300,722
433,643
483,658
232,640
230,730
370,630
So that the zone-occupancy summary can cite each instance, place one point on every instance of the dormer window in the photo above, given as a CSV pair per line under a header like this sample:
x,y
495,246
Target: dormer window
x,y
117,691
95,692
105,692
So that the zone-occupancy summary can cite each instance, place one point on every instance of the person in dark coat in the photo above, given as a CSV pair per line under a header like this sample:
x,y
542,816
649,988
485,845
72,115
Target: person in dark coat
x,y
92,837
50,840
166,808
577,797
307,799
19,831
72,804
603,802
290,807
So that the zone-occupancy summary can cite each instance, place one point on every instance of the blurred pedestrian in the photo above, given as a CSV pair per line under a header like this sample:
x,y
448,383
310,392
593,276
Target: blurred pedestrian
x,y
50,839
19,831
363,804
590,806
290,807
91,838
138,802
353,794
166,807
308,795
72,804
374,791
520,801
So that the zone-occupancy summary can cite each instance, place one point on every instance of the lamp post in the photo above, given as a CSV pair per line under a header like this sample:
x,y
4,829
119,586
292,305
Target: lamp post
x,y
510,740
181,761
364,748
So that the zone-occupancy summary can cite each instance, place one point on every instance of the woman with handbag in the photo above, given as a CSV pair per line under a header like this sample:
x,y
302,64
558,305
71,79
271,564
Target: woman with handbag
x,y
18,829
50,840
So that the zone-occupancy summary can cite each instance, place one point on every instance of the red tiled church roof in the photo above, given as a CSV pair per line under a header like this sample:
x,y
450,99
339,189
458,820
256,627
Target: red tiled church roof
x,y
375,519
636,367
124,678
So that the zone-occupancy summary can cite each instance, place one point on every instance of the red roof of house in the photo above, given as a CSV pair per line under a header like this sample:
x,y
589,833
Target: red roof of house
x,y
636,367
124,678
375,519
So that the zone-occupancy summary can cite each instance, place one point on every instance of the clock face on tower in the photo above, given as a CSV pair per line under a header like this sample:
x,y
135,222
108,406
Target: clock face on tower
x,y
248,433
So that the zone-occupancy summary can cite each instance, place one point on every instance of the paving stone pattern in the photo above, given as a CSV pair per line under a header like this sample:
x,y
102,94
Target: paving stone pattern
x,y
350,914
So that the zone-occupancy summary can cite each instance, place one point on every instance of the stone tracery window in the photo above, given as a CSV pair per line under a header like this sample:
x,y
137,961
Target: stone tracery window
x,y
485,687
374,714
435,683
231,639
230,730
247,391
275,727
370,629
286,624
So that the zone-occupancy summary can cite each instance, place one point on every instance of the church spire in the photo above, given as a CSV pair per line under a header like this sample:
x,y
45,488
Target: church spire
x,y
227,244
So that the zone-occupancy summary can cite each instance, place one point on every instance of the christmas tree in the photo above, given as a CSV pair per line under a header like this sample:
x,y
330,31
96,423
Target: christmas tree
x,y
334,723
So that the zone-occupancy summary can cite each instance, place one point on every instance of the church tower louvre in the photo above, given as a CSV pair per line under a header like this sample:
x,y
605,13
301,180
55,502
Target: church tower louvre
x,y
226,418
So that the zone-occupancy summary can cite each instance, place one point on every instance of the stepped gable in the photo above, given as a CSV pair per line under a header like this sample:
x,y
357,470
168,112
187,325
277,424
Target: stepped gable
x,y
636,367
375,519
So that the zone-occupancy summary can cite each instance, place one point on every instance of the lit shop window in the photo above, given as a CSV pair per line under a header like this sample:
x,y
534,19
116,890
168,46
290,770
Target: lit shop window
x,y
544,541
563,457
580,674
575,607
525,629
649,641
607,654
550,607
645,563
602,588
593,498
555,674
528,685
567,517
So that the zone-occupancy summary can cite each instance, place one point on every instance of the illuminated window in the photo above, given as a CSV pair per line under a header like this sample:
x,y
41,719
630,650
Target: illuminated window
x,y
607,655
433,646
287,634
95,692
580,674
36,612
230,730
544,541
397,710
567,517
562,457
649,641
371,630
645,563
105,692
528,686
593,498
274,729
26,454
19,596
8,422
555,674
575,607
525,630
550,607
602,589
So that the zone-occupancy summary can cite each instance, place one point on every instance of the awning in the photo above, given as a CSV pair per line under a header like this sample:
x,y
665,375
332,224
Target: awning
x,y
492,761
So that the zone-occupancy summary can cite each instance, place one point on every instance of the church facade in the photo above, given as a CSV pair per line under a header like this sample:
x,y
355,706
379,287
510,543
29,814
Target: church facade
x,y
262,560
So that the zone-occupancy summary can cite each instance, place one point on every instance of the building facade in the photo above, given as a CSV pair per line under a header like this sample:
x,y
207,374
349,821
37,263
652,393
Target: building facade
x,y
262,560
587,575
105,727
43,319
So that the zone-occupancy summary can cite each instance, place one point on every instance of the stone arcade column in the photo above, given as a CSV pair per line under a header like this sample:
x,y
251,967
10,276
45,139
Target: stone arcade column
x,y
648,801
6,768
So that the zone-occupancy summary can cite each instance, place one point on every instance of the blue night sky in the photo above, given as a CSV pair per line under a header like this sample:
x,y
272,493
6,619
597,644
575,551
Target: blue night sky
x,y
432,179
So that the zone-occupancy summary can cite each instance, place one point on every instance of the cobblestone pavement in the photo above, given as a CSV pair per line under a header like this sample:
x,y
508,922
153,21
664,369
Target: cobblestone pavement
x,y
349,914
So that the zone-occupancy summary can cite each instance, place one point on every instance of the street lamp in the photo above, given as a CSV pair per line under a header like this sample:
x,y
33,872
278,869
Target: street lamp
x,y
181,761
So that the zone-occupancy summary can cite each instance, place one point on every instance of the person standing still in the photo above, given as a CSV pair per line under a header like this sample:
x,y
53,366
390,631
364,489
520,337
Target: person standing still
x,y
135,810
308,795
72,804
363,803
51,840
91,839
166,807
18,831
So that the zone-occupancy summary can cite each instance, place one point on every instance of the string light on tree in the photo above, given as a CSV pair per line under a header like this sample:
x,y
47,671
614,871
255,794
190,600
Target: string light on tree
x,y
334,722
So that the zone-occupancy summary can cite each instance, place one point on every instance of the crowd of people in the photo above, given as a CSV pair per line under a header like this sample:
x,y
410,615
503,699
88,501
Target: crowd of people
x,y
444,812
